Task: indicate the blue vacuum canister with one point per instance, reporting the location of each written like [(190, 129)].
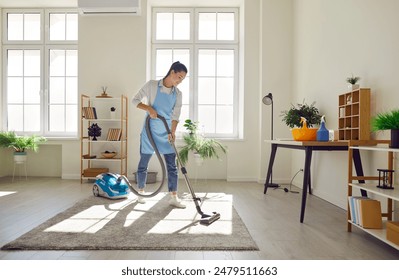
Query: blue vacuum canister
[(108, 185)]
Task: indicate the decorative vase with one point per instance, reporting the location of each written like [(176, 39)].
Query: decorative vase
[(394, 138)]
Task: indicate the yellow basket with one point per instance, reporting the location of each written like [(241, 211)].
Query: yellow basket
[(304, 134)]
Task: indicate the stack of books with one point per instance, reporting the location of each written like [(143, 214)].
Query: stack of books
[(365, 212), (114, 134), (89, 113)]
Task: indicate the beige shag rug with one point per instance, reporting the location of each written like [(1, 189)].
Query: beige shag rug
[(102, 224)]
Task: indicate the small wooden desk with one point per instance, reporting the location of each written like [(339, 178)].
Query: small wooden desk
[(309, 147)]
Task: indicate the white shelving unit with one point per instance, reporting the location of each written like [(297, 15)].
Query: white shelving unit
[(90, 150), (389, 194)]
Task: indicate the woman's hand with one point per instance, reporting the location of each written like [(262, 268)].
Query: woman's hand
[(151, 111), (171, 137)]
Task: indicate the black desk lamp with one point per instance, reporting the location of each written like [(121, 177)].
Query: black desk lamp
[(268, 100)]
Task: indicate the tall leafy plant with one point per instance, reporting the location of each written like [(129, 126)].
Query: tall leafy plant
[(204, 147)]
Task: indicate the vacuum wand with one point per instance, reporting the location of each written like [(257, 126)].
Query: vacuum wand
[(206, 219)]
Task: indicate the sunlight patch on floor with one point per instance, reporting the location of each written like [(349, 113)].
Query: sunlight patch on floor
[(2, 193)]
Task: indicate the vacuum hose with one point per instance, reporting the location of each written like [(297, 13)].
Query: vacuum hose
[(161, 162)]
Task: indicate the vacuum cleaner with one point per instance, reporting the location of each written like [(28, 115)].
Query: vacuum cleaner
[(116, 186)]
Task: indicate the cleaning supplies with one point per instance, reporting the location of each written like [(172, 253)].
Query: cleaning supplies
[(323, 133)]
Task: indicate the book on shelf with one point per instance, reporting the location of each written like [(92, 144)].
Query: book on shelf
[(365, 212), (114, 134), (370, 211), (89, 112), (354, 207)]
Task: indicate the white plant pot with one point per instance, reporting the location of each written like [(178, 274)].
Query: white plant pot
[(353, 87), (20, 157), (198, 159), (112, 115)]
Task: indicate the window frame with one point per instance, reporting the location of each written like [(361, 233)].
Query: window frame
[(44, 45), (194, 44)]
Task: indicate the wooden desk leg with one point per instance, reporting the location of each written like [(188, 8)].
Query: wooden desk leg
[(306, 176), (270, 168), (357, 160)]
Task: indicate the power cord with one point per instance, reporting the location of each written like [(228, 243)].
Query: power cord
[(289, 190)]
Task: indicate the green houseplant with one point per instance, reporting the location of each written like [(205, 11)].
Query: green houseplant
[(388, 121), (9, 139), (292, 117), (352, 81), (301, 118), (199, 145)]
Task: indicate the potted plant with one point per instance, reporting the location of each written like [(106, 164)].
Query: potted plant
[(301, 118), (20, 144), (201, 146), (388, 121), (352, 81)]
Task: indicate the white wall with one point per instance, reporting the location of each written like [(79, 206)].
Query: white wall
[(333, 39), (302, 49)]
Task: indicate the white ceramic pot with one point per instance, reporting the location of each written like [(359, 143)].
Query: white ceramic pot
[(20, 157)]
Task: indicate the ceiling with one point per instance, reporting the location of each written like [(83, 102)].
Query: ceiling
[(38, 3)]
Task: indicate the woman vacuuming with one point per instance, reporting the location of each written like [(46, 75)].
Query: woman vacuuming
[(163, 98)]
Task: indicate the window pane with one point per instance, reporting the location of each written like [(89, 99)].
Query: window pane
[(185, 89), (72, 27), (206, 91), (57, 63), (32, 90), (32, 118), (224, 119), (164, 26), (15, 118), (71, 90), (71, 122), (181, 26), (225, 91), (206, 63), (57, 26), (206, 118), (32, 63), (225, 63), (15, 63), (163, 62), (57, 118), (225, 29), (207, 26), (57, 90), (15, 26), (32, 27), (71, 63), (15, 90)]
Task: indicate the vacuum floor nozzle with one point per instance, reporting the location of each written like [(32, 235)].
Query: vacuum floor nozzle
[(209, 219)]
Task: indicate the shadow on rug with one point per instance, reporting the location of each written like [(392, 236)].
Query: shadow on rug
[(102, 224)]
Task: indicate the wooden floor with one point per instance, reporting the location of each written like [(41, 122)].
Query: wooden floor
[(272, 219)]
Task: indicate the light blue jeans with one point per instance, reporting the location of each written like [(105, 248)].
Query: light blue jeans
[(170, 160)]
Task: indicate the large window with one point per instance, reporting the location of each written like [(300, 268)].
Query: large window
[(40, 57), (206, 41)]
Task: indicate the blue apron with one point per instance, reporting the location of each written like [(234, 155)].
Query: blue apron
[(163, 104)]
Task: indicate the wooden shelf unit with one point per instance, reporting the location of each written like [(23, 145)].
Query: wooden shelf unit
[(354, 115), (89, 148), (370, 186)]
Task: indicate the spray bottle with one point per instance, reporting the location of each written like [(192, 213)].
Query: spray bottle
[(323, 133)]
